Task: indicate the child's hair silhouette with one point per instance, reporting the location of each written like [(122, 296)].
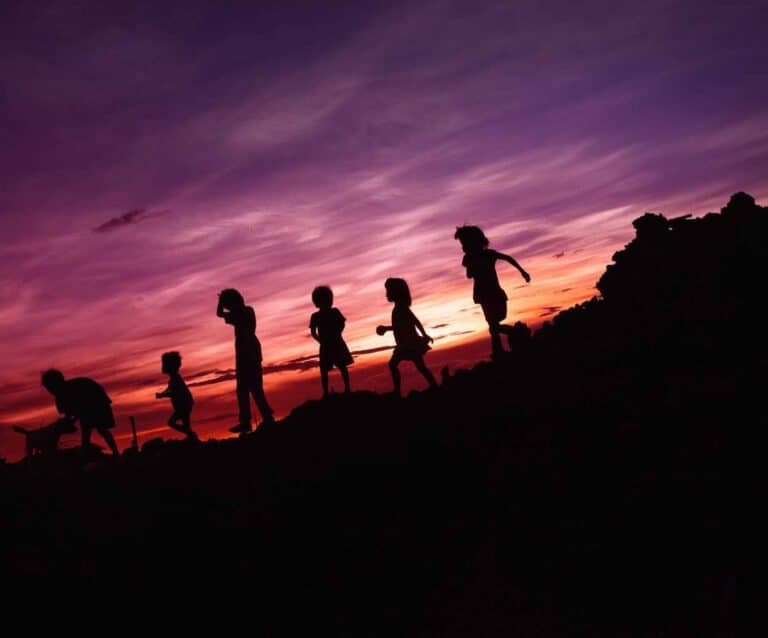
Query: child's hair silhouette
[(231, 298), (248, 359), (471, 238), (179, 394), (171, 362), (322, 297), (398, 291), (326, 326), (480, 263), (410, 346)]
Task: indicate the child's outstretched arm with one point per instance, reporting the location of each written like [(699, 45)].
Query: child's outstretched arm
[(164, 394), (380, 330), (513, 262)]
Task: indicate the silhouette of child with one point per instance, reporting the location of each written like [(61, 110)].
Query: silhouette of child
[(480, 263), (409, 345), (248, 371), (179, 394), (84, 399), (326, 326)]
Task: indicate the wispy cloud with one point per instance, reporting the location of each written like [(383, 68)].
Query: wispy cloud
[(130, 218), (350, 160)]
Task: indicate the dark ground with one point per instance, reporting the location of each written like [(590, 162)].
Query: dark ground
[(583, 487)]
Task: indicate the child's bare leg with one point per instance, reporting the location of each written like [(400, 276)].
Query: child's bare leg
[(345, 377), (186, 423), (509, 331), (261, 402), (173, 423), (422, 367), (494, 329), (324, 381), (506, 329), (110, 440), (395, 374), (85, 438), (243, 400)]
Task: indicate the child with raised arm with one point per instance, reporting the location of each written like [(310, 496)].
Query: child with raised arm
[(480, 263), (326, 326), (409, 345), (179, 394), (248, 370)]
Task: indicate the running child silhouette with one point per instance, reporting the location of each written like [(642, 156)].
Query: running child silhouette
[(179, 394), (326, 326), (409, 345), (480, 262), (248, 371)]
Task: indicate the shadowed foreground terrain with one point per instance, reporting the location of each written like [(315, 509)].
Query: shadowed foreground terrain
[(584, 486)]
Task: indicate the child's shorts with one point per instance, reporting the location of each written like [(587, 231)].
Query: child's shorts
[(495, 310)]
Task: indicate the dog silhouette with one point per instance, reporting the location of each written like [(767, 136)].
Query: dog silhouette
[(45, 440)]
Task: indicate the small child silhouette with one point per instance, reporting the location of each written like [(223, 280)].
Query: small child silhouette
[(480, 263), (409, 346), (248, 370), (326, 326), (179, 394), (85, 400)]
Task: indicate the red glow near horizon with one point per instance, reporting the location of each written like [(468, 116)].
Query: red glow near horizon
[(150, 160)]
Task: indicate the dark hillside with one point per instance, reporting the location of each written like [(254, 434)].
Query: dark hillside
[(584, 486)]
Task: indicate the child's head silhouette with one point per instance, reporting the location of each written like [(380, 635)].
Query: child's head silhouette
[(397, 291), (322, 297), (231, 299), (472, 238), (52, 380), (171, 362)]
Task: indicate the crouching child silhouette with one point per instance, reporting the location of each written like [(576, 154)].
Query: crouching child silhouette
[(326, 326), (409, 345), (480, 263), (248, 369), (179, 394), (85, 400)]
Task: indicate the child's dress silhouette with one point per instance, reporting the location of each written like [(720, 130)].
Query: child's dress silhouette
[(487, 291), (409, 343), (329, 323)]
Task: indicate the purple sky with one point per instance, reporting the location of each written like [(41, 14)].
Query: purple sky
[(151, 157)]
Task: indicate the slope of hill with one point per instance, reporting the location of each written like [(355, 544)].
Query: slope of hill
[(581, 487)]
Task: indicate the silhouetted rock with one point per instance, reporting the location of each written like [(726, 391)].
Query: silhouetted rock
[(153, 446)]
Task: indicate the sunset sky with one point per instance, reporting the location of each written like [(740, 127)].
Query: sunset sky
[(152, 156)]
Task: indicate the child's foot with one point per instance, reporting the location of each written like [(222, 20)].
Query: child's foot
[(241, 428)]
